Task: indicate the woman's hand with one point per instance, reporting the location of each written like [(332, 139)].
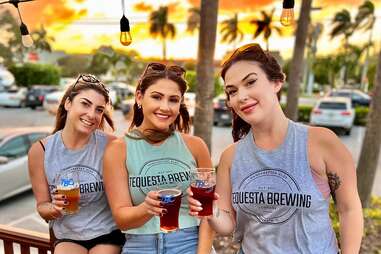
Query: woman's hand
[(194, 205), (153, 204)]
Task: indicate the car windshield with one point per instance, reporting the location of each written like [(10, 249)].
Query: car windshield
[(340, 94), (333, 105)]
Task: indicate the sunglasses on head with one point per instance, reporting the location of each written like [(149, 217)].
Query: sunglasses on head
[(89, 78), (159, 68), (245, 48)]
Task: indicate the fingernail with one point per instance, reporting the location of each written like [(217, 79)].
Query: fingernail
[(164, 212), (63, 196), (63, 208), (65, 203), (56, 191), (198, 203)]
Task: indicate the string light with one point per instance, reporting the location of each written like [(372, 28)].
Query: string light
[(125, 36), (287, 16)]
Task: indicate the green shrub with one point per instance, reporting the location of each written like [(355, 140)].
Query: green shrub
[(191, 78), (361, 115), (34, 74), (304, 113)]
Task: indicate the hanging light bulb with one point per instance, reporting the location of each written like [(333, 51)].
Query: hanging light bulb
[(25, 36), (125, 36), (287, 16)]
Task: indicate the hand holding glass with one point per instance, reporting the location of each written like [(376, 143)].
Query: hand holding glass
[(67, 184), (171, 200), (203, 184)]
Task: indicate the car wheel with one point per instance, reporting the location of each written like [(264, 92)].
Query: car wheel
[(33, 107), (347, 132)]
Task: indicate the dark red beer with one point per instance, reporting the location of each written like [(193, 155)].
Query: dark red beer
[(205, 195), (171, 200)]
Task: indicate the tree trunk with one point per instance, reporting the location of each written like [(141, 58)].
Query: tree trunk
[(370, 150), (296, 67), (203, 118), (164, 49)]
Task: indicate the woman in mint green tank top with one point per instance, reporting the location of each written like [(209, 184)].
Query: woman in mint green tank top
[(156, 153), (76, 147), (274, 182)]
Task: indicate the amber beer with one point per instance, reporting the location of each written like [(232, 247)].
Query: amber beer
[(72, 197), (203, 185), (68, 185), (171, 200)]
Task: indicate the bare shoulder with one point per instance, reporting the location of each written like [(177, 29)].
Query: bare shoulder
[(192, 140), (227, 157), (36, 150), (323, 137)]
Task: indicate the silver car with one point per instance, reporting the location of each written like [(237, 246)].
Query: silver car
[(14, 147)]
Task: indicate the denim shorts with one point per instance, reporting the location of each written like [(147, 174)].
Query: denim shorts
[(184, 241)]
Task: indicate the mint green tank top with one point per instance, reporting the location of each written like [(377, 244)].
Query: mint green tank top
[(159, 166)]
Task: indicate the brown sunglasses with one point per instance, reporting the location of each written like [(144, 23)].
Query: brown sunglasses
[(90, 78), (244, 48), (159, 68)]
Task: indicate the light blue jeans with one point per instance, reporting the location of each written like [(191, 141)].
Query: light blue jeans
[(183, 241)]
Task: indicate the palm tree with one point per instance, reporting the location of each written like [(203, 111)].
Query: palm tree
[(296, 69), (343, 26), (159, 27), (41, 39), (365, 20), (231, 33), (193, 21), (370, 150), (265, 26), (203, 118)]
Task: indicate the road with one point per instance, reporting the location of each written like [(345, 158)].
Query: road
[(20, 212)]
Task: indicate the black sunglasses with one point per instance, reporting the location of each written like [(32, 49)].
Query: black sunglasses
[(90, 78), (159, 68)]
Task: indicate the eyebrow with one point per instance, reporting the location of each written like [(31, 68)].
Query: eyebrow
[(88, 101), (246, 77), (153, 92)]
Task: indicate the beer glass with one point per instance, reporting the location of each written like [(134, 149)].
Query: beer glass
[(171, 200), (67, 184), (203, 184)]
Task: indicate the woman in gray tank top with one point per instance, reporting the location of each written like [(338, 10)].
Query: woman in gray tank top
[(156, 154), (76, 147), (273, 181)]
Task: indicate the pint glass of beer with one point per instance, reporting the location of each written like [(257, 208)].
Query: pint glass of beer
[(68, 185), (203, 184), (171, 200)]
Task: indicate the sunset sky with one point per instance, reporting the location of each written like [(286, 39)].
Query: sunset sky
[(79, 26)]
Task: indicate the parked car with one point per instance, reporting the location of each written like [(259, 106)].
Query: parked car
[(14, 97), (36, 94), (334, 112), (222, 114), (52, 101), (14, 147), (357, 97), (190, 102), (6, 79)]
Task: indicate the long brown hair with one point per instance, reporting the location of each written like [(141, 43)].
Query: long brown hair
[(268, 63), (152, 73), (83, 82)]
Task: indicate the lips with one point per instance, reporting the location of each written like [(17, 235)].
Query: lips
[(86, 122), (247, 108), (162, 116)]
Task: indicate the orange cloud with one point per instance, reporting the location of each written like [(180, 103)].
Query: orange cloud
[(242, 5), (142, 7), (50, 12)]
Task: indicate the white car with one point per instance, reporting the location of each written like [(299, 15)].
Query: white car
[(52, 101), (333, 112), (190, 102), (14, 147), (14, 97)]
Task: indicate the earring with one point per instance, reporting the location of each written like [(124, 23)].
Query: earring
[(139, 106)]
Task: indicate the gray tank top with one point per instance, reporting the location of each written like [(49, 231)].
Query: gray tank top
[(94, 217), (278, 207)]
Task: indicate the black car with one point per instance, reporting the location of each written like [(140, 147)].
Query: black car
[(357, 97), (222, 114), (36, 94)]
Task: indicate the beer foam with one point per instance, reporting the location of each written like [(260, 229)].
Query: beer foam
[(60, 187), (169, 192)]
